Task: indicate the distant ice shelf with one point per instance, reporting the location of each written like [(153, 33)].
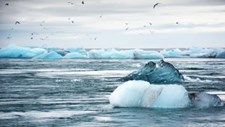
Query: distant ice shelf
[(14, 51)]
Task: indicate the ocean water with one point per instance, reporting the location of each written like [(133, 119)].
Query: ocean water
[(75, 92)]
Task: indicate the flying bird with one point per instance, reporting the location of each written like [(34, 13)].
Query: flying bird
[(155, 5), (6, 4), (17, 22), (70, 3), (150, 23), (72, 21), (82, 2), (176, 22)]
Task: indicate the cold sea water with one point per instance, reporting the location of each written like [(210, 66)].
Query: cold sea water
[(71, 92)]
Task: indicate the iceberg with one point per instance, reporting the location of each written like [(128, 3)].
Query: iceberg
[(75, 55), (139, 93), (78, 50), (110, 54), (49, 56), (13, 51), (141, 54), (124, 54), (220, 53), (204, 100), (197, 52), (161, 72), (172, 53), (142, 94)]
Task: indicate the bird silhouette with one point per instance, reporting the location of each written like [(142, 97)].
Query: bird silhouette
[(176, 22), (17, 22), (82, 2), (70, 3), (155, 5), (6, 4)]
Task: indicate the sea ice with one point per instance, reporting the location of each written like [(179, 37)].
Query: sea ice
[(49, 56), (110, 54), (171, 53), (161, 72), (204, 100), (13, 51), (75, 55), (141, 54)]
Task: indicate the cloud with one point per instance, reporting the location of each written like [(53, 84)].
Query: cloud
[(105, 19)]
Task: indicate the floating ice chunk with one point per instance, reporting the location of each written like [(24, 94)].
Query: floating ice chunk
[(50, 55), (204, 100), (142, 94), (172, 53), (162, 72), (13, 51)]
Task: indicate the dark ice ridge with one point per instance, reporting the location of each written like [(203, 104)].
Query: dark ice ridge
[(162, 72)]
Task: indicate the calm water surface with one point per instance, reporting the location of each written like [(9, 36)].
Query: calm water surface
[(75, 93)]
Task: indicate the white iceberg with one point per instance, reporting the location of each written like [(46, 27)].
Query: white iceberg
[(124, 54), (142, 94), (110, 54), (75, 55), (172, 53), (141, 54)]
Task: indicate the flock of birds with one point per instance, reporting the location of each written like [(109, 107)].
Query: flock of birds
[(71, 3)]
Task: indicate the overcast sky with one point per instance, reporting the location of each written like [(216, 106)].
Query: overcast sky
[(113, 23)]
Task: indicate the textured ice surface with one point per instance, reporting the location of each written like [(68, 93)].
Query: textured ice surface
[(142, 94), (13, 51), (110, 54), (204, 100), (49, 56), (141, 54), (161, 72), (75, 55), (171, 53)]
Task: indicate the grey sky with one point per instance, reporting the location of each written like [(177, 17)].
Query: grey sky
[(113, 24)]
